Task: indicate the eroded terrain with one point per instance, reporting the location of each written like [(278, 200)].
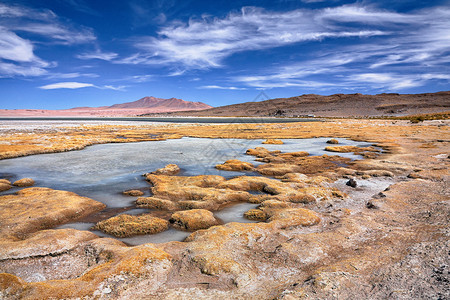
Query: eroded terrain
[(384, 235)]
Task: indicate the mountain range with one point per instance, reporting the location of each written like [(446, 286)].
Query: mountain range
[(337, 105), (144, 105)]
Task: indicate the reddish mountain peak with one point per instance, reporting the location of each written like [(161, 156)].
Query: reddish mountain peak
[(172, 103)]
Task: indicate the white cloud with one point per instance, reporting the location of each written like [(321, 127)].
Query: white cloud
[(12, 70), (206, 42), (17, 54), (13, 47), (70, 75), (121, 88), (66, 85), (44, 23), (409, 57), (221, 87), (108, 56), (57, 33), (79, 85), (137, 78), (391, 81), (176, 73)]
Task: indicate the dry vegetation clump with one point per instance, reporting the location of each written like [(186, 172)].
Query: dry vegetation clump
[(170, 169), (347, 149), (128, 225), (273, 142), (5, 185), (133, 193), (24, 182), (192, 220), (332, 141), (235, 165), (191, 192)]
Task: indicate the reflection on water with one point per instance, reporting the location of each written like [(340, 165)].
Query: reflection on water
[(103, 172), (235, 213)]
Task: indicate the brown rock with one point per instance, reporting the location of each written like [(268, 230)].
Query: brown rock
[(127, 225), (291, 155), (24, 182), (5, 181), (261, 152), (236, 165), (156, 203), (256, 215), (274, 204), (284, 218), (34, 209), (333, 141), (133, 193), (352, 182), (377, 173), (4, 186), (171, 169), (273, 142), (298, 163), (277, 169), (346, 149), (301, 198), (48, 255), (192, 220), (281, 191)]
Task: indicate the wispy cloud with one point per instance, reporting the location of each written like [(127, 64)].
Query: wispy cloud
[(79, 85), (137, 78), (17, 57), (121, 88), (66, 85), (12, 70), (218, 87), (207, 42), (44, 23), (81, 6), (108, 56), (70, 75), (17, 54), (418, 43)]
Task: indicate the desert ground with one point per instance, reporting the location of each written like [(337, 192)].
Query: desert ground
[(317, 237)]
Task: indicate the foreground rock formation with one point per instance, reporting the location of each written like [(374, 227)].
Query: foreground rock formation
[(314, 241), (126, 225)]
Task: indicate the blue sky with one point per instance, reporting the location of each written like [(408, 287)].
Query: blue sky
[(60, 54)]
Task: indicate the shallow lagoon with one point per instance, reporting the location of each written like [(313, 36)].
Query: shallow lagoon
[(103, 172)]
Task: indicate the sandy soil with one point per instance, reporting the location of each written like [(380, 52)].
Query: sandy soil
[(387, 238)]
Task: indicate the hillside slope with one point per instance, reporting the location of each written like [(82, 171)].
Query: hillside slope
[(338, 105)]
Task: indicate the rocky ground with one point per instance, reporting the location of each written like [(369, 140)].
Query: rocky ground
[(384, 235)]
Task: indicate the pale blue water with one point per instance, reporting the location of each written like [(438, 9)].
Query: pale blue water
[(103, 172)]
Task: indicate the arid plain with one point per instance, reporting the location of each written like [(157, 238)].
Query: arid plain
[(316, 239)]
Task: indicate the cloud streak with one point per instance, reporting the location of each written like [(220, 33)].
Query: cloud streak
[(418, 43), (79, 85), (218, 87), (66, 85), (207, 42), (108, 56), (17, 54)]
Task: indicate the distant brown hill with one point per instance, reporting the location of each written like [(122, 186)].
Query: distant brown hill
[(144, 105), (338, 105), (172, 103)]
